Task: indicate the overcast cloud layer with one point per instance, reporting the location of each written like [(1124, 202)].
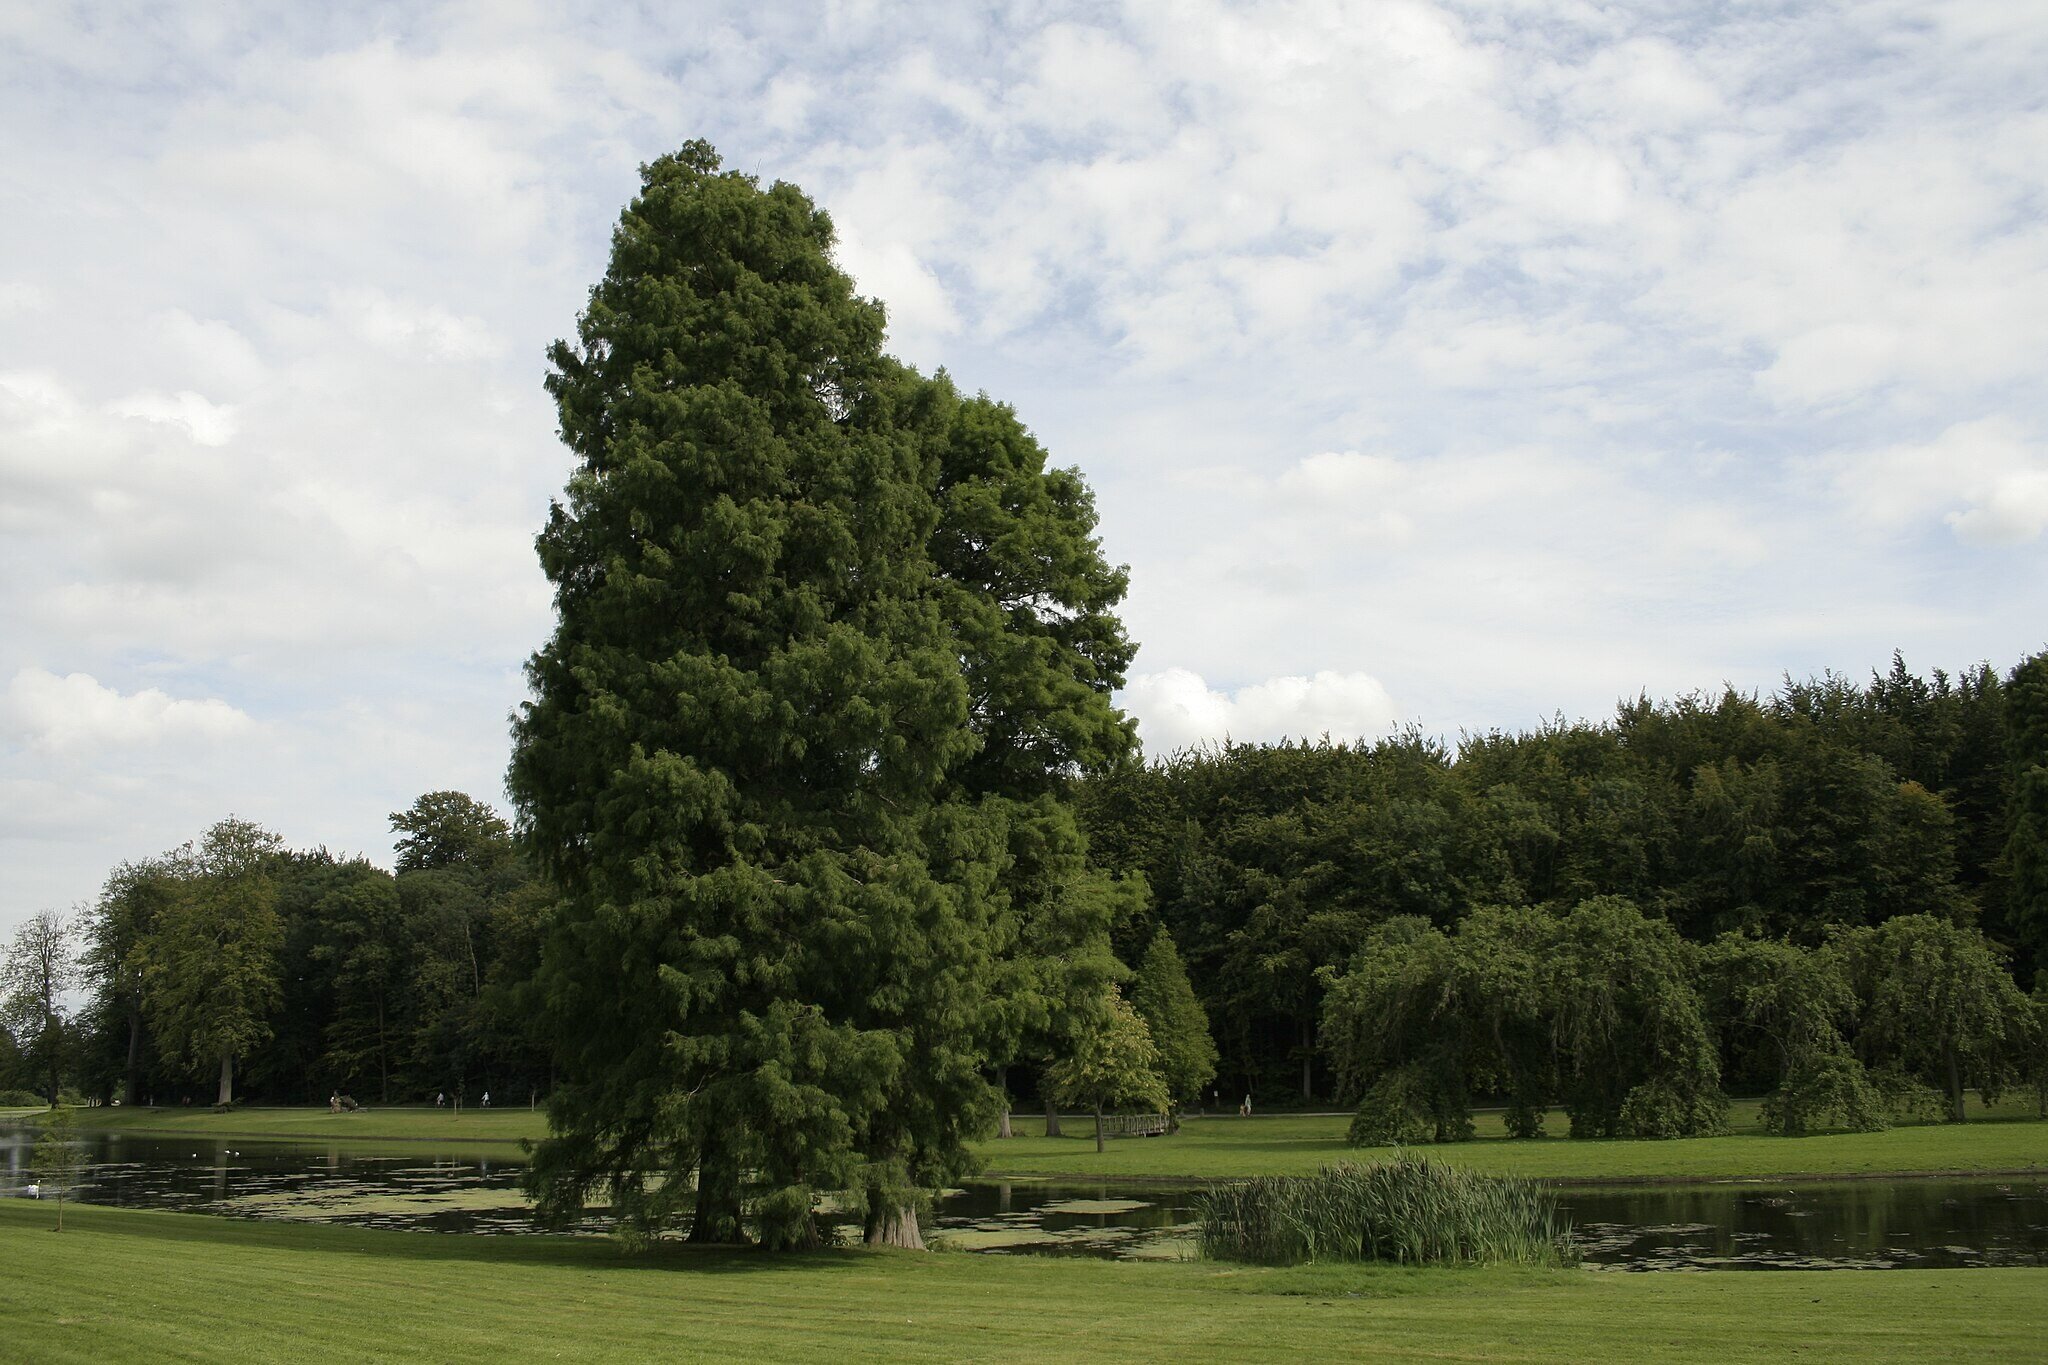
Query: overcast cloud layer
[(1454, 364)]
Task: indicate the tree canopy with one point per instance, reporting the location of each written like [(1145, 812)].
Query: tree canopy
[(827, 636), (209, 964)]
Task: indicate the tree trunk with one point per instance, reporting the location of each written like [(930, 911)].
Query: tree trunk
[(1098, 1127), (383, 1069), (1955, 1087), (131, 1078), (1003, 1089), (717, 1217), (1052, 1118), (892, 1225), (227, 1079)]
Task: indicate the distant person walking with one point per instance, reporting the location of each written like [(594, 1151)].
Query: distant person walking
[(1244, 1111), (440, 1098), (487, 1099)]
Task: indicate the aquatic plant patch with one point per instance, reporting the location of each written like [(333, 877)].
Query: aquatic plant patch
[(1410, 1210)]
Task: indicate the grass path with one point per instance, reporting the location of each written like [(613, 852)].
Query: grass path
[(120, 1285)]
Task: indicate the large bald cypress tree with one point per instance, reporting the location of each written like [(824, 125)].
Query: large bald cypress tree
[(775, 740)]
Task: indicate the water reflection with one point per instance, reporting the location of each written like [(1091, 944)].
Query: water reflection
[(1877, 1224), (1747, 1225)]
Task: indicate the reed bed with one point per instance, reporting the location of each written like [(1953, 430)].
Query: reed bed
[(1409, 1210)]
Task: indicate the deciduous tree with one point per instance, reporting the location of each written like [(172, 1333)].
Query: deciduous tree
[(1113, 1064), (40, 968), (1938, 1005), (209, 964)]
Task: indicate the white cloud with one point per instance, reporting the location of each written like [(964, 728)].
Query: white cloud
[(1986, 479), (76, 712), (1176, 709), (207, 424), (1480, 350), (414, 330)]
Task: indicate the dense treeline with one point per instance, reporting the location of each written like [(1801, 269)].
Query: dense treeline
[(234, 967), (1830, 897), (1793, 819)]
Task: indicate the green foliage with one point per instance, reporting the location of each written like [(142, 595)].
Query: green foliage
[(209, 964), (1404, 1107), (1640, 1058), (1937, 1006), (130, 905), (1600, 1003), (1797, 1005), (1410, 1210), (448, 829), (1827, 804), (357, 939), (35, 977), (1397, 1026), (829, 640), (1178, 1025), (58, 1159), (2026, 848), (1114, 1064)]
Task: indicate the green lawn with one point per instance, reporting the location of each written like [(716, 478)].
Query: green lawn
[(2007, 1139), (120, 1285), (504, 1127)]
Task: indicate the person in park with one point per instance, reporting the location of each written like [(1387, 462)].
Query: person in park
[(830, 641)]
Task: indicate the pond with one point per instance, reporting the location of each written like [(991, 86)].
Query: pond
[(1731, 1225)]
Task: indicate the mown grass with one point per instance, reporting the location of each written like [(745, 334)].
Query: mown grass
[(503, 1128), (121, 1285), (2007, 1138)]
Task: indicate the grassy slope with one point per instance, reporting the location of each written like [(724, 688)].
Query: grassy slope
[(121, 1285), (1229, 1146)]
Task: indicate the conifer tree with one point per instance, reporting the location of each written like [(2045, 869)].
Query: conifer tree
[(1179, 1026), (743, 759), (2026, 849)]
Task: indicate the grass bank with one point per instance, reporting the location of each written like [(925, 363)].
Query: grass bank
[(499, 1127), (2004, 1139), (119, 1285)]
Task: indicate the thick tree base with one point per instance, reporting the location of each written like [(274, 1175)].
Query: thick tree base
[(895, 1228)]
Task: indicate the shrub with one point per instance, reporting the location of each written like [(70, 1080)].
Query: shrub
[(1827, 1086), (1402, 1107), (1666, 1108), (1409, 1210), (21, 1099)]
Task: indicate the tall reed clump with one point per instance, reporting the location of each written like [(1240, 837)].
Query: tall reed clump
[(1409, 1210)]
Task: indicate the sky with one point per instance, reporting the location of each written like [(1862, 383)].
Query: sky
[(1449, 364)]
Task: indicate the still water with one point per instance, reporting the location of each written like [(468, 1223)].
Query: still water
[(1735, 1225)]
